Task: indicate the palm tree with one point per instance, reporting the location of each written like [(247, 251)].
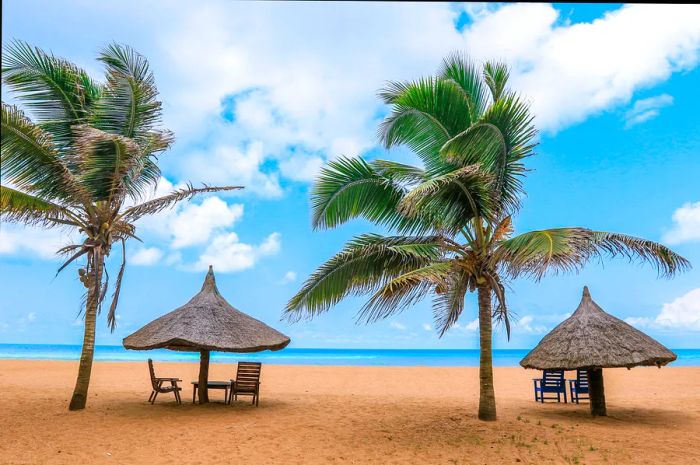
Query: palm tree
[(452, 216), (84, 163)]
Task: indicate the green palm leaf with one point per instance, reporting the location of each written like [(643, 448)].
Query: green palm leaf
[(425, 114), (362, 266), (451, 199), (24, 208), (405, 290), (537, 253), (350, 188), (461, 70), (58, 93), (499, 142), (129, 105), (30, 160), (496, 77)]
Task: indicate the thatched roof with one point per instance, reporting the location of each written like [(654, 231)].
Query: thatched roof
[(207, 322), (591, 338)]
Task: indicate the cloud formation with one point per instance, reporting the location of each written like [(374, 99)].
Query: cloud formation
[(686, 224), (146, 256), (227, 254), (682, 313), (263, 112), (646, 109)]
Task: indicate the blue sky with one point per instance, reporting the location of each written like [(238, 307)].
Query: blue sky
[(262, 94)]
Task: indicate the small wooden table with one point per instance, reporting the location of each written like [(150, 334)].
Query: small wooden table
[(225, 385)]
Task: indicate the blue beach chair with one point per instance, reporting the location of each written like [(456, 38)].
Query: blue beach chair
[(552, 382), (579, 386)]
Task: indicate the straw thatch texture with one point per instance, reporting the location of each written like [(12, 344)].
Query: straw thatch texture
[(207, 322), (591, 338)]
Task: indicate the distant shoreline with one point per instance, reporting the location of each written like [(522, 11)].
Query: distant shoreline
[(297, 356)]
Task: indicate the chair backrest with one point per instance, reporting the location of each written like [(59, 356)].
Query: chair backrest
[(248, 374), (553, 377), (153, 374), (582, 378)]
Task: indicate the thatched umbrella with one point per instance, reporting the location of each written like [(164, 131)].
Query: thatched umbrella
[(207, 322), (591, 339)]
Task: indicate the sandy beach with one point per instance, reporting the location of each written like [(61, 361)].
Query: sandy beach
[(315, 414)]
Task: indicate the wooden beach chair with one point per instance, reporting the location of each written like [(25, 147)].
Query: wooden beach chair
[(579, 386), (552, 382), (157, 384), (247, 382)]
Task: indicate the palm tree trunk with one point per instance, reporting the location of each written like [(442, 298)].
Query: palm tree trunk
[(487, 398), (82, 384)]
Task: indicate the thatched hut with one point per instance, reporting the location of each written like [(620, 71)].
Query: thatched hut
[(592, 339), (207, 322)]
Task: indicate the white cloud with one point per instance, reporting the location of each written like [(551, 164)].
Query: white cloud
[(469, 327), (397, 325), (271, 245), (315, 98), (682, 313), (194, 224), (265, 103), (31, 316), (146, 256), (41, 243), (572, 71), (227, 254), (289, 277), (226, 164), (646, 109), (528, 325), (686, 225), (427, 327)]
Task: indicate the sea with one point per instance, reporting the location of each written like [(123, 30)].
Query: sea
[(297, 356)]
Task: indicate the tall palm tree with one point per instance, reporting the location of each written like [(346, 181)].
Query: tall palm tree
[(452, 216), (84, 163)]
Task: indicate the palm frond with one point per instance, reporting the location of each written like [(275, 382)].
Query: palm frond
[(58, 93), (104, 160), (499, 141), (349, 188), (399, 172), (112, 314), (364, 265), (28, 209), (537, 253), (425, 114), (448, 302), (461, 70), (496, 77), (30, 161), (129, 105), (404, 290), (452, 199), (161, 203)]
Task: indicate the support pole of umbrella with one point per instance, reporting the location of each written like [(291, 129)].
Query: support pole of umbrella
[(203, 388), (597, 392)]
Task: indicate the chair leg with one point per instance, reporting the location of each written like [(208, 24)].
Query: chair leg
[(150, 396), (155, 394), (194, 392), (177, 396)]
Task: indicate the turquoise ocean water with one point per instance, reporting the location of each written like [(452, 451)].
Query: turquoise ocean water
[(376, 357)]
